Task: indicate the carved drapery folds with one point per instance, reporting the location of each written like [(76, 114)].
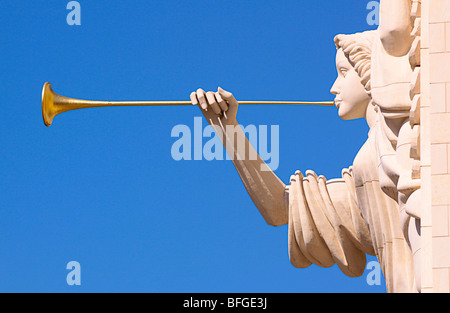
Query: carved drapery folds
[(325, 224)]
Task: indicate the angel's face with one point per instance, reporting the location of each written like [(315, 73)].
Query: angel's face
[(351, 97)]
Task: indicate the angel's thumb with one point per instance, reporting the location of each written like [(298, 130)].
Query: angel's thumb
[(225, 94)]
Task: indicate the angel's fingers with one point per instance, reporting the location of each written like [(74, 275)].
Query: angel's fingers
[(212, 102), (222, 103), (194, 99), (202, 99), (293, 179)]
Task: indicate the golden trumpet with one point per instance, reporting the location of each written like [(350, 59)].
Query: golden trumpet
[(54, 104)]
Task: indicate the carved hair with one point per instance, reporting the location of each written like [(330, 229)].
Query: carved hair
[(358, 49)]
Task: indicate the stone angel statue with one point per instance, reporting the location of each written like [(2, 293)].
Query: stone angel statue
[(366, 211)]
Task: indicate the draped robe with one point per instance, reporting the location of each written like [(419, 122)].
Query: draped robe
[(341, 220)]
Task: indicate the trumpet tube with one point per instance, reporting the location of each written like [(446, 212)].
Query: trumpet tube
[(54, 104)]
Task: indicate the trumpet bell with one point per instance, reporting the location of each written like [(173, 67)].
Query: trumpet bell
[(54, 104), (48, 108)]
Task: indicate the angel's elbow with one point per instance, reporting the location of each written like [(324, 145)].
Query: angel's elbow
[(276, 219)]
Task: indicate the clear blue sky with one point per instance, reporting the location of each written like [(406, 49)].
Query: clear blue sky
[(100, 186)]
